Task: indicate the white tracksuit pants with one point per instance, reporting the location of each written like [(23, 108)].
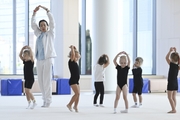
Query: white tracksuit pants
[(44, 73)]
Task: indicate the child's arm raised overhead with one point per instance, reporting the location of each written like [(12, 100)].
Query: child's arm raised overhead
[(168, 54), (21, 53), (105, 65), (31, 53), (179, 59), (72, 57), (128, 59), (115, 59)]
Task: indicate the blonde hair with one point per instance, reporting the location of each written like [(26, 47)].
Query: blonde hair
[(70, 53), (123, 57), (26, 51), (140, 60)]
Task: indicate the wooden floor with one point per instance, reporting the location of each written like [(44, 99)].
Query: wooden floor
[(155, 107)]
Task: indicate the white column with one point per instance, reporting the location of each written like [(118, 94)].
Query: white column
[(66, 17), (105, 36), (167, 32)]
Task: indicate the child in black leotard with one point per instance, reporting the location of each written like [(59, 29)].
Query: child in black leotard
[(122, 73), (26, 56), (74, 79), (172, 59), (138, 81)]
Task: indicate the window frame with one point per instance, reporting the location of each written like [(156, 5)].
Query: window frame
[(135, 32)]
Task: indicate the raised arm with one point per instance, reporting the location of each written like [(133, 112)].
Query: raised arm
[(51, 19), (31, 53), (34, 26), (21, 53), (51, 24), (179, 58), (178, 55), (128, 59), (105, 65), (115, 59), (134, 66), (45, 8), (72, 55), (168, 54)]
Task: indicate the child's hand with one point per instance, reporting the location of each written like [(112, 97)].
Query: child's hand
[(28, 47), (24, 47), (174, 49), (121, 52), (74, 47), (171, 49), (134, 65), (71, 46), (104, 55), (125, 53)]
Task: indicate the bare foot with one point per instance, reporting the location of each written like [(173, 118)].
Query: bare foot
[(69, 107), (172, 111), (75, 108)]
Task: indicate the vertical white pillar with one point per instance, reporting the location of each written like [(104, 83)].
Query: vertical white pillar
[(67, 31), (105, 36), (57, 5)]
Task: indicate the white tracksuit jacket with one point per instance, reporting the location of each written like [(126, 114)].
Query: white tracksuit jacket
[(44, 67)]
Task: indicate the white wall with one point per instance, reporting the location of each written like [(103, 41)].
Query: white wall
[(104, 37), (66, 17), (168, 31)]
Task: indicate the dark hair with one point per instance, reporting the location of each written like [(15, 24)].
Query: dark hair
[(43, 21), (175, 56), (102, 60)]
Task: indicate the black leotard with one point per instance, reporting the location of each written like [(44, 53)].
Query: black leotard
[(74, 70), (172, 77), (28, 73), (122, 75)]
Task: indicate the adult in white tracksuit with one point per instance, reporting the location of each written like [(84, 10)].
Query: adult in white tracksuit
[(44, 53)]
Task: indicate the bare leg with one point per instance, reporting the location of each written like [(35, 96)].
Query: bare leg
[(27, 94), (140, 98), (171, 101), (31, 96), (124, 90), (75, 88), (77, 100), (174, 97), (134, 97), (28, 97), (118, 92)]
